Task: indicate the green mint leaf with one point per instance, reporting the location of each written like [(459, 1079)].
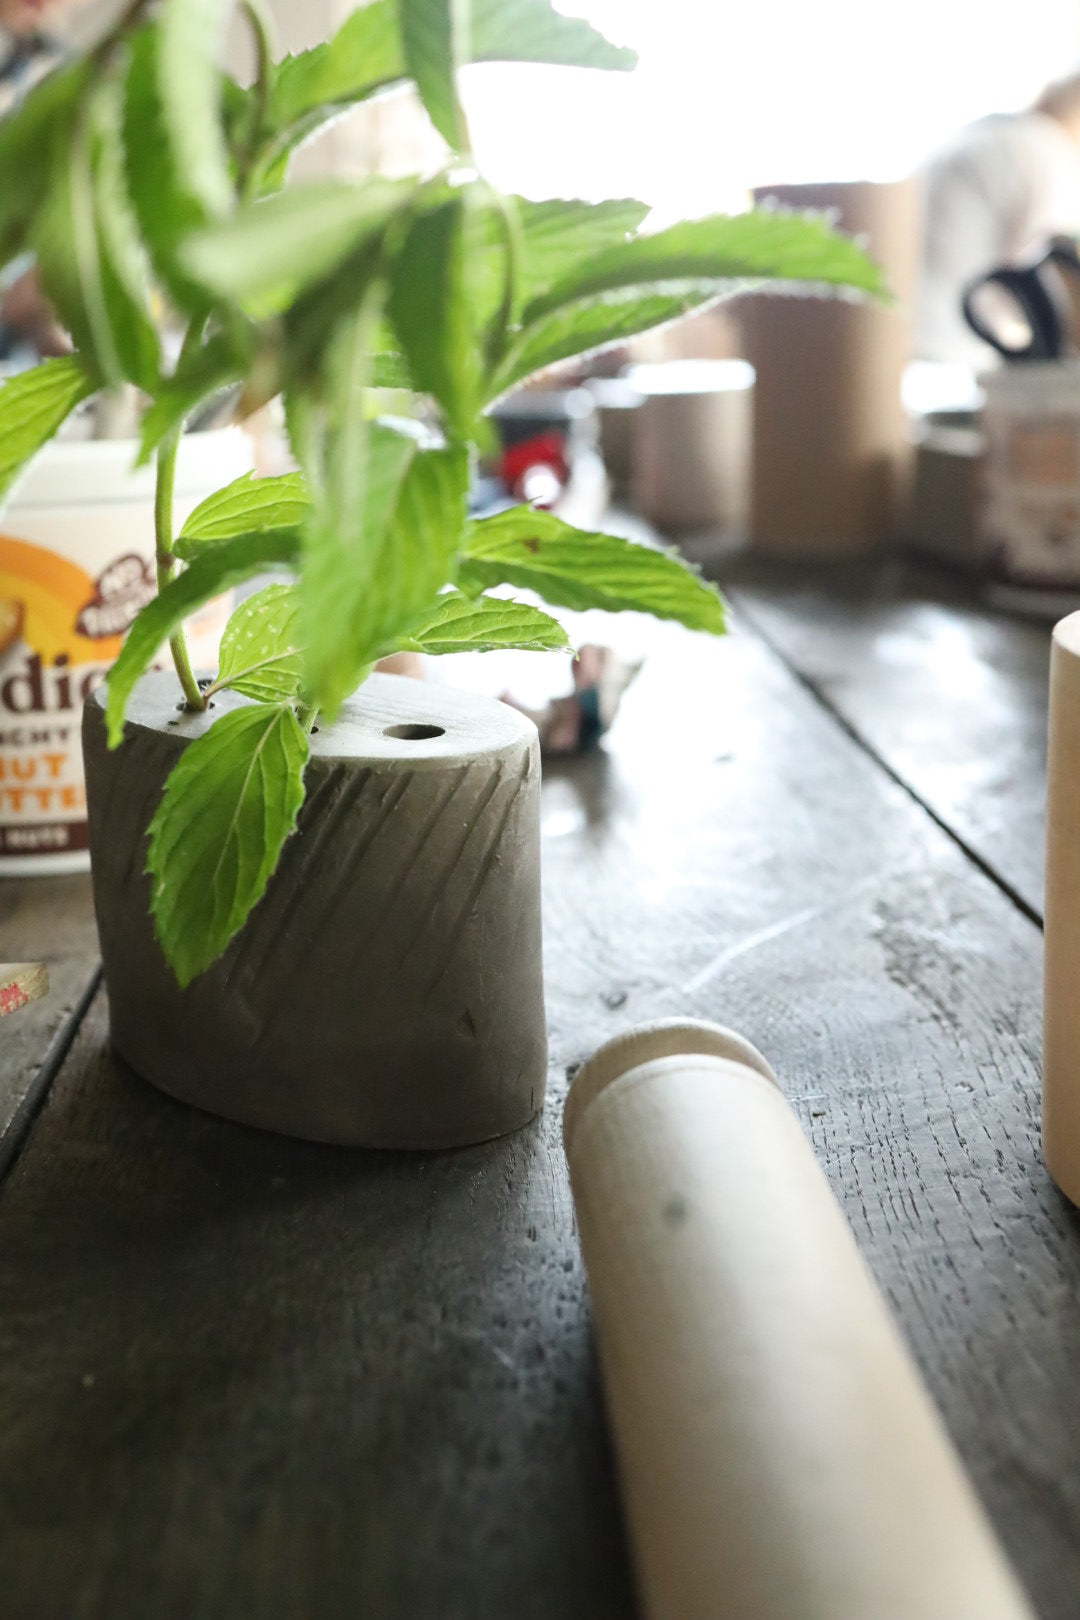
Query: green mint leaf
[(345, 541), (432, 311), (220, 362), (536, 551), (486, 624), (27, 139), (434, 34), (598, 322), (32, 406), (563, 232), (389, 370), (306, 429), (247, 504), (270, 251), (92, 262), (165, 205), (415, 559), (363, 56), (356, 455), (320, 325), (261, 653), (515, 249), (228, 806), (214, 571), (366, 56), (125, 268), (760, 245), (189, 82), (66, 239), (533, 31)]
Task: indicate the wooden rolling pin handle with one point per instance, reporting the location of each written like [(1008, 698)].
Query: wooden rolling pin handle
[(1061, 992), (779, 1456)]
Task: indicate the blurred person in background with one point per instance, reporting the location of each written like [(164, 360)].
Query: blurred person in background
[(994, 196), (29, 48)]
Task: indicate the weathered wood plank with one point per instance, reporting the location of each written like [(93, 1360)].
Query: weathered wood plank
[(951, 695), (247, 1378), (51, 920)]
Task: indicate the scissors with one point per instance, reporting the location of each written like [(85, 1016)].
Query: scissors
[(1029, 312)]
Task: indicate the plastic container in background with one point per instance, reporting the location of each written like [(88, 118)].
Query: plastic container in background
[(692, 444), (1030, 509), (76, 565)]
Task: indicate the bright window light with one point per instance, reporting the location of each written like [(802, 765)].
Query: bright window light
[(729, 96)]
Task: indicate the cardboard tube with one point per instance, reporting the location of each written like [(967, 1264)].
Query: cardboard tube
[(779, 1457), (831, 455), (692, 442), (1061, 992)]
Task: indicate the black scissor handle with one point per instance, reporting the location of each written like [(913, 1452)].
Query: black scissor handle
[(1064, 253), (1030, 297)]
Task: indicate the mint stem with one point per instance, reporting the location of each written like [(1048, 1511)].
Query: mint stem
[(163, 533)]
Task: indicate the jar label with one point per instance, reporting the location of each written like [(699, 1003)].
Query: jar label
[(56, 643), (60, 629)]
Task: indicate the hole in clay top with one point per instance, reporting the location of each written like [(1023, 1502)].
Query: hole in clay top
[(390, 717), (414, 733)]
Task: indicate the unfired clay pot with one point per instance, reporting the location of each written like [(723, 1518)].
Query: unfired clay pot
[(387, 989)]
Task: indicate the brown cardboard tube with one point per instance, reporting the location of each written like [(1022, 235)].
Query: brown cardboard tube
[(780, 1458), (830, 437), (1061, 940), (692, 442)]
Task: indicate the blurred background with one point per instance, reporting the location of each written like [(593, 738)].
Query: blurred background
[(728, 97), (944, 133), (921, 128)]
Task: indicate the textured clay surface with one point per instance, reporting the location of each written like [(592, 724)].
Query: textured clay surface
[(387, 991)]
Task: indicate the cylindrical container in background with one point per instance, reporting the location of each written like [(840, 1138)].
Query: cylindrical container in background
[(1061, 992), (1029, 505), (780, 1458), (76, 565), (618, 403), (692, 443), (830, 440)]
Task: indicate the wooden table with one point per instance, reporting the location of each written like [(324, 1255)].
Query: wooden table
[(243, 1378)]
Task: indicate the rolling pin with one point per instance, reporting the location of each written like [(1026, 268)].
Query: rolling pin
[(779, 1456), (1061, 936)]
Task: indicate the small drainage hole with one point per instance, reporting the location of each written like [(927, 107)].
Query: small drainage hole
[(414, 733)]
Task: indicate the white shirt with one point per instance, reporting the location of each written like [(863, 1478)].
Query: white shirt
[(992, 198)]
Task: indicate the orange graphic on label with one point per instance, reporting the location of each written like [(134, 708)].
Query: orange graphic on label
[(11, 623), (52, 592), (60, 629)]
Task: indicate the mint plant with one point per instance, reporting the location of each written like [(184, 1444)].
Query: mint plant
[(150, 185)]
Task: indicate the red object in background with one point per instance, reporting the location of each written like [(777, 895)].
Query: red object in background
[(545, 451)]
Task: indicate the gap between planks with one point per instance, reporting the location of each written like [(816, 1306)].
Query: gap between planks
[(751, 622)]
